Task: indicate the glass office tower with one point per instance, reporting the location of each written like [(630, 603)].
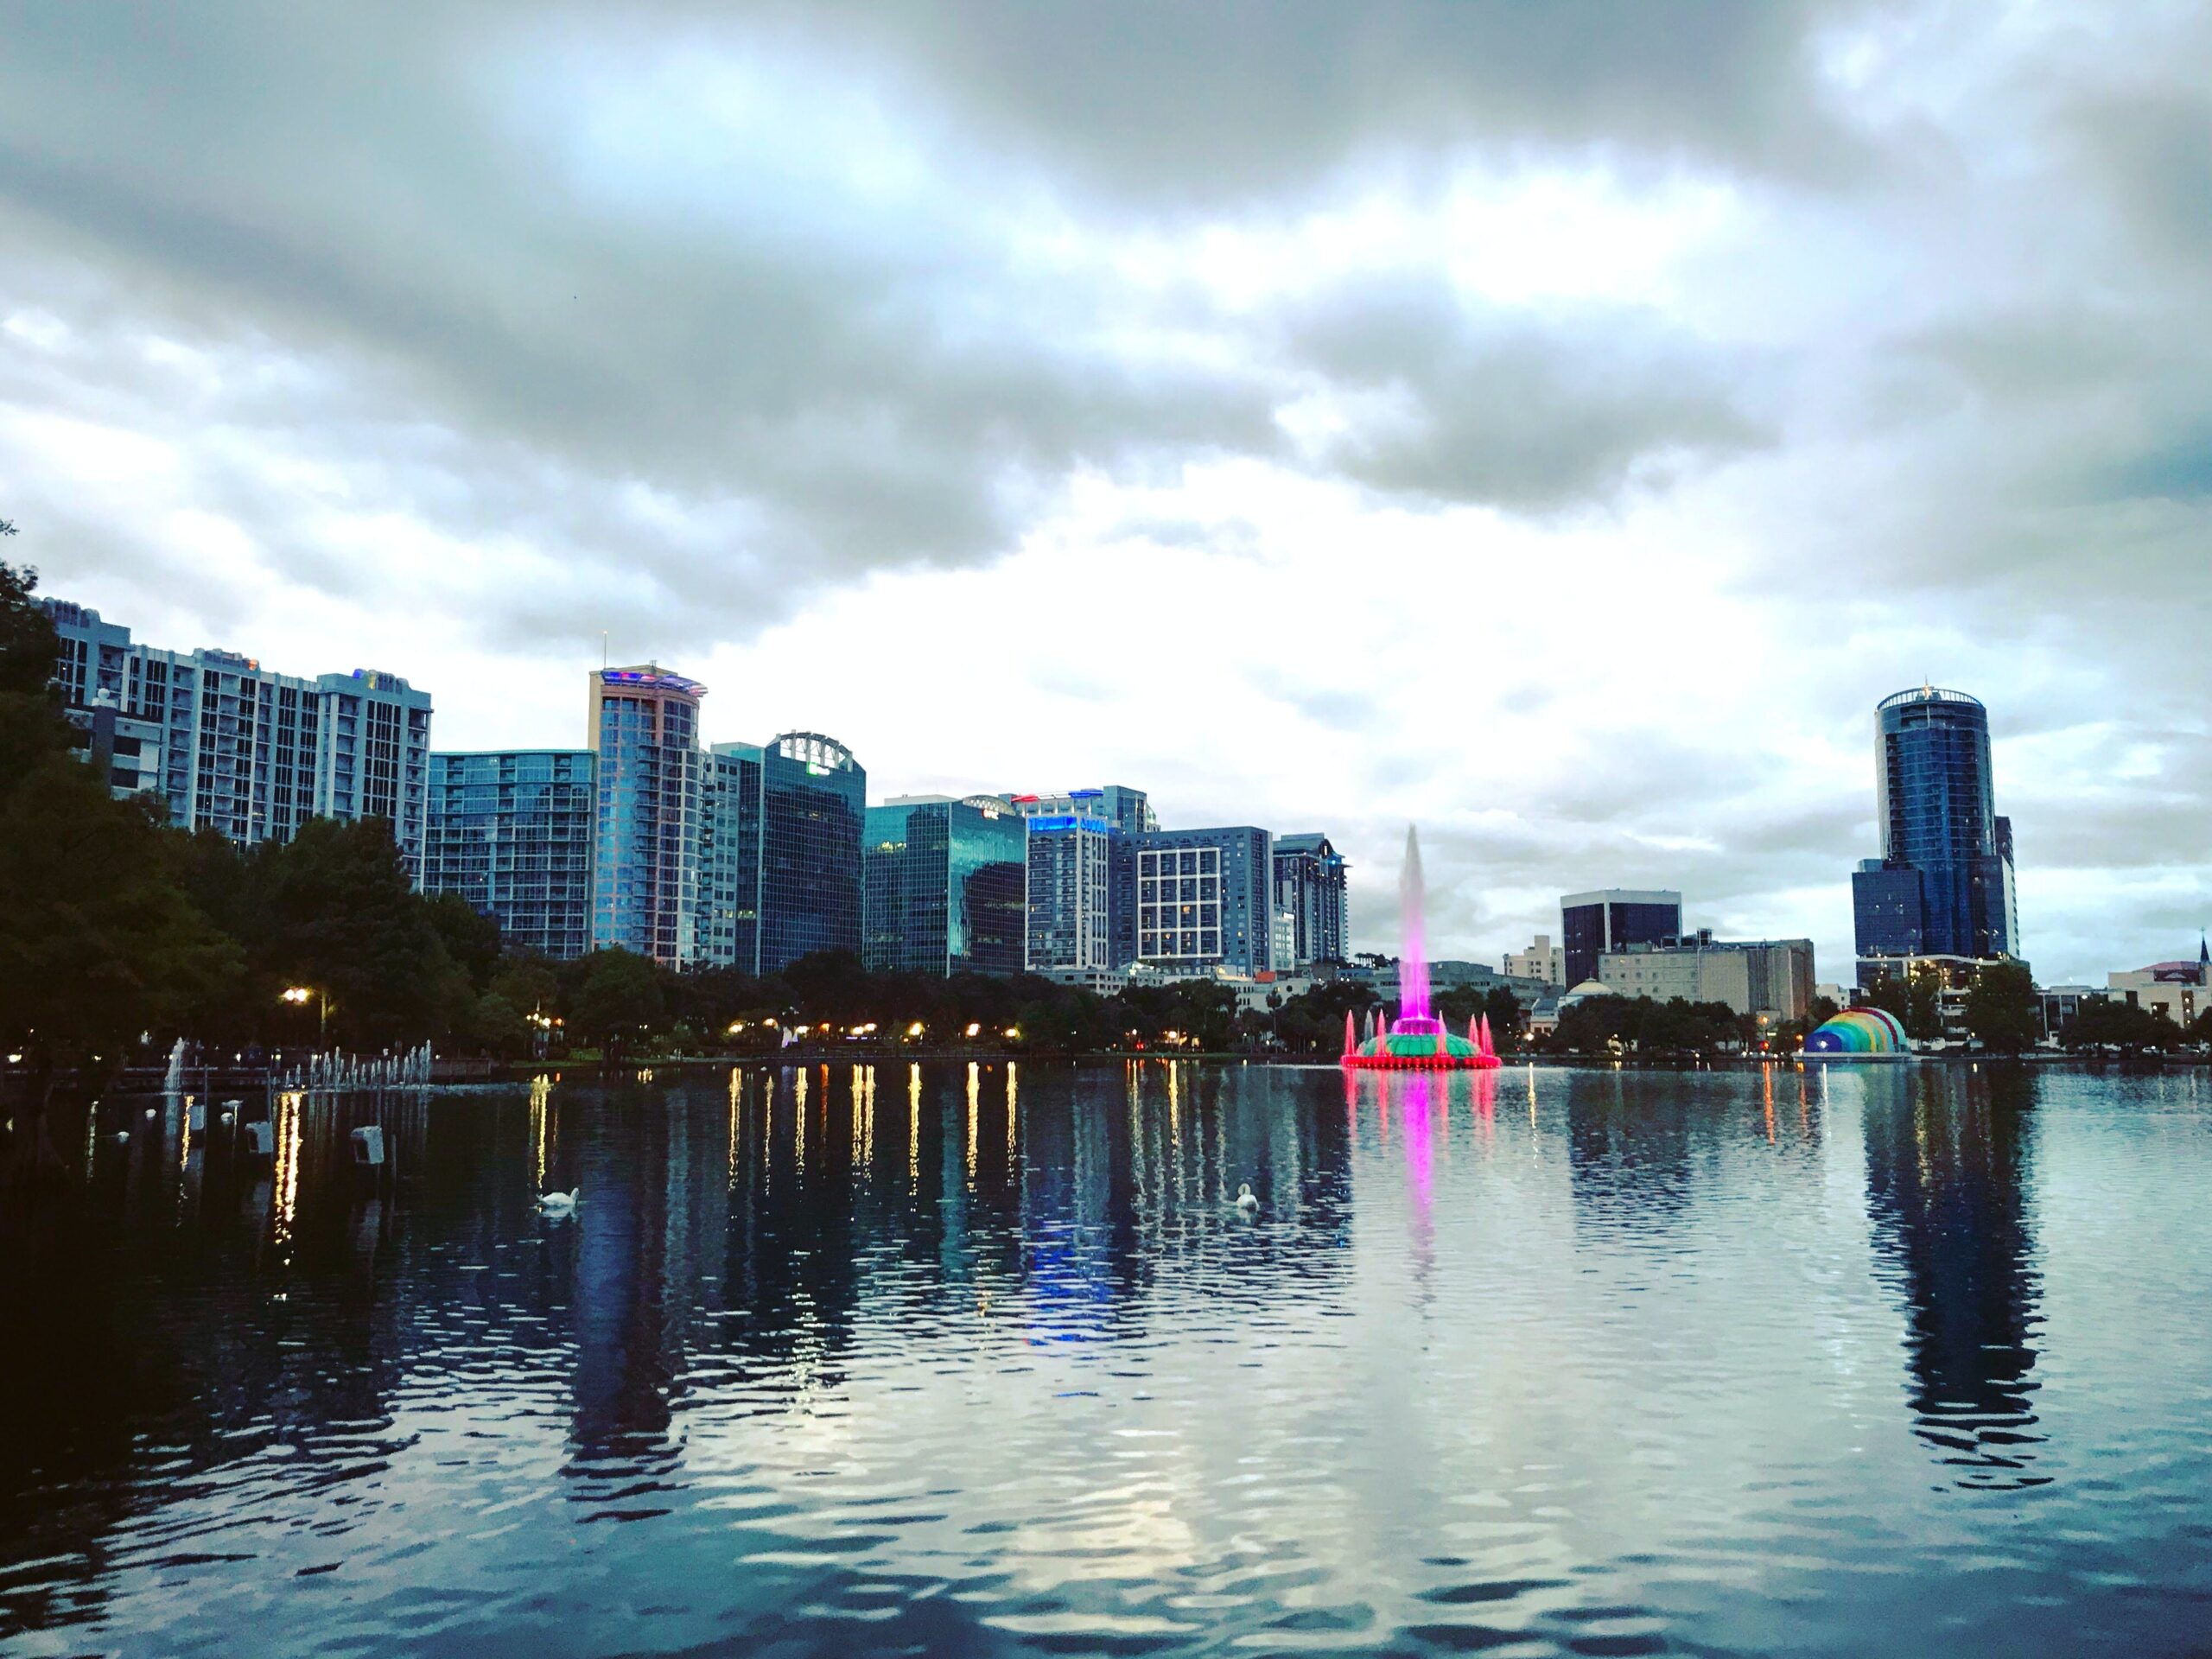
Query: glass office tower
[(1614, 918), (1943, 886), (1204, 898), (644, 735), (1310, 887), (943, 886), (813, 796), (730, 859), (511, 832)]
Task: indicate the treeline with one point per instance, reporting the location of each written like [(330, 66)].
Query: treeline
[(1621, 1025)]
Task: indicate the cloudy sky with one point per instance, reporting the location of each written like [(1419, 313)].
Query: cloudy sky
[(1556, 425)]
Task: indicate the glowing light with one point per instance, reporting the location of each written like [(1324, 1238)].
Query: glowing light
[(298, 993), (914, 1030), (974, 1029)]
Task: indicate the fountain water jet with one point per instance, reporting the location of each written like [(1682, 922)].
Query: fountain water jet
[(1417, 1041)]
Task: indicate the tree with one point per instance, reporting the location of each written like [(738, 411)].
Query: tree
[(471, 940), (2108, 1022), (2001, 1012), (619, 995)]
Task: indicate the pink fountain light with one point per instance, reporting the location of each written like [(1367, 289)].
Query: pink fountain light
[(1418, 1042)]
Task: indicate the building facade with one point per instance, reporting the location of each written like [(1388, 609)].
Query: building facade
[(1202, 899), (813, 798), (1761, 976), (1309, 876), (1614, 918), (1129, 810), (240, 749), (2180, 991), (510, 832), (1081, 909), (1542, 961), (730, 859), (1943, 886), (943, 885), (647, 831)]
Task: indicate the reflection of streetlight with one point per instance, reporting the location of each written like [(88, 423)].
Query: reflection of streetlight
[(298, 995)]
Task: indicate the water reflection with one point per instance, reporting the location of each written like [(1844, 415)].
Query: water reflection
[(1006, 1369), (1947, 1171)]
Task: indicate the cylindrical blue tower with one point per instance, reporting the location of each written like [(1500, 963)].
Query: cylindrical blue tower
[(1938, 816)]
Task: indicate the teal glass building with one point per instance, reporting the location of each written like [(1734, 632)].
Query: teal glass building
[(813, 800), (645, 733), (730, 859), (510, 832), (944, 886)]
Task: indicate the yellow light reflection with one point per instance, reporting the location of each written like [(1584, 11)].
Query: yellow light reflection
[(914, 1128), (975, 1103), (287, 1181), (1011, 1099)]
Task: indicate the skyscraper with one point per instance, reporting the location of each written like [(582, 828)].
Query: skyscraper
[(730, 859), (511, 833), (943, 886), (241, 749), (1080, 898), (1129, 810), (648, 833), (813, 794), (1614, 918), (1943, 886), (1309, 876), (1204, 899)]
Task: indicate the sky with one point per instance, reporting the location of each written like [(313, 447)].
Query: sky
[(1555, 426)]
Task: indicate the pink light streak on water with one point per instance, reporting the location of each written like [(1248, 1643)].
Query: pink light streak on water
[(1413, 954)]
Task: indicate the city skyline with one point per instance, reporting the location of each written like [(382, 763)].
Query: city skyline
[(1714, 382)]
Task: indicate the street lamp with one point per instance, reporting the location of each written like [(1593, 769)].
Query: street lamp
[(298, 995)]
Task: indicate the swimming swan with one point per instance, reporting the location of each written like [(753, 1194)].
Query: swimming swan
[(559, 1204), (1245, 1201)]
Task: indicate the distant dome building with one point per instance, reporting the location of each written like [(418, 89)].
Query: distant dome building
[(1583, 992), (1858, 1034)]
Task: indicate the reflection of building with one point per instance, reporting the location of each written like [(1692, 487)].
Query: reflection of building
[(240, 749), (1771, 976), (1203, 898), (1943, 884), (1309, 876), (645, 733), (511, 833), (2180, 991), (1612, 920), (812, 796), (1946, 1178), (943, 885)]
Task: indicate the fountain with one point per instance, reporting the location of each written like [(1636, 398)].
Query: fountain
[(1416, 1040), (174, 1083)]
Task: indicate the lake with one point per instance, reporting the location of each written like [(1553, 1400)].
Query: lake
[(984, 1360)]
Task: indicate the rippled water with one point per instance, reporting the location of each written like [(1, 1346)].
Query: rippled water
[(973, 1361)]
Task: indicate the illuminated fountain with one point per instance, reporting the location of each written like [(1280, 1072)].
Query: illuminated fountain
[(1416, 1040)]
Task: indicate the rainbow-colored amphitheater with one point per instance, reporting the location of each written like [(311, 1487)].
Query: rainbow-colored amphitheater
[(1858, 1034)]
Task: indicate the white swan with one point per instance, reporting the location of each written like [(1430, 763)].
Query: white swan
[(1245, 1201), (559, 1204)]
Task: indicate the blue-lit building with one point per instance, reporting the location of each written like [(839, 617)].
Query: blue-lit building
[(1204, 899), (648, 828), (730, 859), (1943, 886), (1082, 922), (510, 832), (1614, 918), (943, 885), (1309, 876), (1129, 810), (813, 800)]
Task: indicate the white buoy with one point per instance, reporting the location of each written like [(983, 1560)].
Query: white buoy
[(368, 1147), (260, 1139)]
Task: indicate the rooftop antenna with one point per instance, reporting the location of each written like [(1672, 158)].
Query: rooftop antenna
[(602, 647)]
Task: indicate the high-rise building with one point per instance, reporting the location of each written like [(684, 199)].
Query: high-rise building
[(1203, 899), (943, 885), (1080, 901), (1129, 810), (648, 831), (1309, 876), (1943, 886), (511, 833), (240, 749), (1542, 961), (1614, 918), (730, 859), (813, 795)]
